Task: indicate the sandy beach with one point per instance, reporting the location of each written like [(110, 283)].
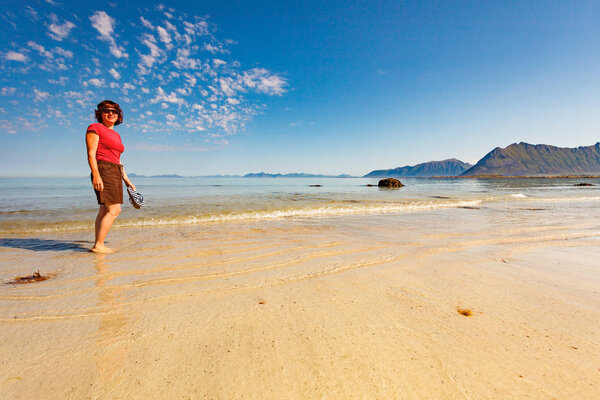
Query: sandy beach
[(349, 307)]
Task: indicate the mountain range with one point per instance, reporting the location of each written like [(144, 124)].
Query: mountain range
[(293, 175), (518, 159), (524, 159), (450, 167)]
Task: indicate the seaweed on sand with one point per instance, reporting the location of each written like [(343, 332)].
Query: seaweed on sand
[(35, 277)]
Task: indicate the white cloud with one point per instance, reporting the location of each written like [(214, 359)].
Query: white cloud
[(184, 61), (157, 55), (263, 81), (128, 86), (40, 95), (146, 23), (145, 90), (96, 82), (170, 117), (166, 98), (213, 49), (32, 13), (191, 80), (40, 49), (7, 91), (173, 29), (14, 56), (82, 98), (60, 81), (115, 74), (163, 35), (161, 148), (62, 52), (60, 31), (200, 28), (105, 25)]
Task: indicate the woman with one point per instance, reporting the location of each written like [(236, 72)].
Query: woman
[(104, 148)]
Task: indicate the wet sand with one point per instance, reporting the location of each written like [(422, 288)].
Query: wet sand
[(353, 307)]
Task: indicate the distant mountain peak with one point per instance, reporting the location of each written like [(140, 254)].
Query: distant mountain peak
[(448, 167), (525, 159)]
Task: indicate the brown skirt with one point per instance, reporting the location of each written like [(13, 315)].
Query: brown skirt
[(112, 178)]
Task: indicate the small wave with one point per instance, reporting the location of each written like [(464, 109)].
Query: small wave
[(518, 196), (19, 212), (321, 211), (325, 211), (567, 199)]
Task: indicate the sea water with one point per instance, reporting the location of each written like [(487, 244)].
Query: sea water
[(44, 205)]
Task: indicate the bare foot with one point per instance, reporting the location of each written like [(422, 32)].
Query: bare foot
[(101, 249)]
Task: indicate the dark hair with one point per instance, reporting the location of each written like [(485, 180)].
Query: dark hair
[(105, 104)]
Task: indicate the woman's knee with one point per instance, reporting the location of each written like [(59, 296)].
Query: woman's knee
[(114, 210)]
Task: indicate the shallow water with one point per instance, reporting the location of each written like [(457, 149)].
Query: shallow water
[(29, 205)]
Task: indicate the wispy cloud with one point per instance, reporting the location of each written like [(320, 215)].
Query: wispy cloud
[(40, 49), (105, 26), (32, 13), (40, 95), (158, 148), (165, 74), (14, 56), (114, 73), (7, 91), (60, 31), (62, 52), (95, 82), (265, 82)]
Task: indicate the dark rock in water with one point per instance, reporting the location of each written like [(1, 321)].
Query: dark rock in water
[(584, 184), (390, 183), (370, 185), (315, 185)]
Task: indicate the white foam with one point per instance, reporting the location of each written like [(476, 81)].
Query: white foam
[(324, 211)]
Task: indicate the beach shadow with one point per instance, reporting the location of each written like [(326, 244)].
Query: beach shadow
[(35, 244)]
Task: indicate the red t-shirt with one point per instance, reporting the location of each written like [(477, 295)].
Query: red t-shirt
[(110, 146)]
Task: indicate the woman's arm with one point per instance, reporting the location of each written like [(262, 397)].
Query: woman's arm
[(126, 179), (91, 140)]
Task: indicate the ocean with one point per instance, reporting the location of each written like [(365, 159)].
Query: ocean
[(36, 205), (33, 205)]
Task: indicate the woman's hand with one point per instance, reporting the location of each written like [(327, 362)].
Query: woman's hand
[(97, 183), (132, 186)]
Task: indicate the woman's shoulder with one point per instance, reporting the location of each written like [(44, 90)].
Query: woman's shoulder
[(96, 128)]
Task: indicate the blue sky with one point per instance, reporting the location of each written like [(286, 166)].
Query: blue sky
[(232, 87)]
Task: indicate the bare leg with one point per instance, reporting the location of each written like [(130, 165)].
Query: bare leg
[(101, 212), (103, 225)]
